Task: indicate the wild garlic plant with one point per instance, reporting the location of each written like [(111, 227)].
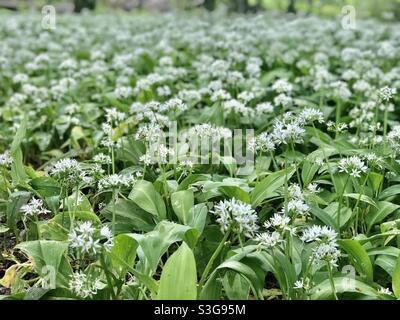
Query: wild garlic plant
[(119, 170)]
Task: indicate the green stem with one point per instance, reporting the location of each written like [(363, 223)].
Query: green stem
[(358, 201), (296, 166), (340, 203), (114, 200), (212, 259), (331, 281)]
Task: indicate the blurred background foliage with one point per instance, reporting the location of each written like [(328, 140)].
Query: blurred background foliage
[(382, 9)]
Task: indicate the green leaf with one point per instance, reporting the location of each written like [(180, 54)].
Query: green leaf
[(129, 216), (47, 256), (249, 272), (375, 180), (324, 216), (192, 178), (396, 279), (131, 150), (124, 248), (197, 217), (362, 198), (235, 192), (323, 290), (376, 215), (270, 184), (387, 263), (182, 202), (18, 173), (308, 171), (179, 276), (236, 287), (360, 257), (389, 192), (345, 213), (146, 197), (154, 244), (45, 186)]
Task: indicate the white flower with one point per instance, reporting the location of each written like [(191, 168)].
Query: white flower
[(262, 142), (236, 215), (82, 285), (385, 291), (67, 170), (268, 239), (303, 283), (282, 86), (318, 233), (326, 249), (6, 159), (35, 207), (106, 233), (101, 158), (287, 131), (298, 206), (81, 238), (147, 159), (116, 181), (282, 100), (386, 93), (353, 166), (113, 115), (310, 115), (278, 221), (299, 284), (264, 108)]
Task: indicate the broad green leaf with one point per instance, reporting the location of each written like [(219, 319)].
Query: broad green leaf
[(359, 255), (235, 286), (129, 216), (193, 178), (179, 276), (387, 263), (154, 244), (345, 213), (270, 184), (323, 290), (254, 278), (146, 197), (124, 248), (389, 192), (235, 192), (49, 259), (396, 279), (45, 186), (308, 171), (18, 173), (182, 202), (362, 198), (376, 215), (197, 217), (324, 216)]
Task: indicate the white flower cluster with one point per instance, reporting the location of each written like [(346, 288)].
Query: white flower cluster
[(386, 93), (68, 171), (5, 159), (237, 216), (296, 204), (35, 207), (101, 158), (353, 166), (83, 286), (116, 181), (86, 238), (326, 248)]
